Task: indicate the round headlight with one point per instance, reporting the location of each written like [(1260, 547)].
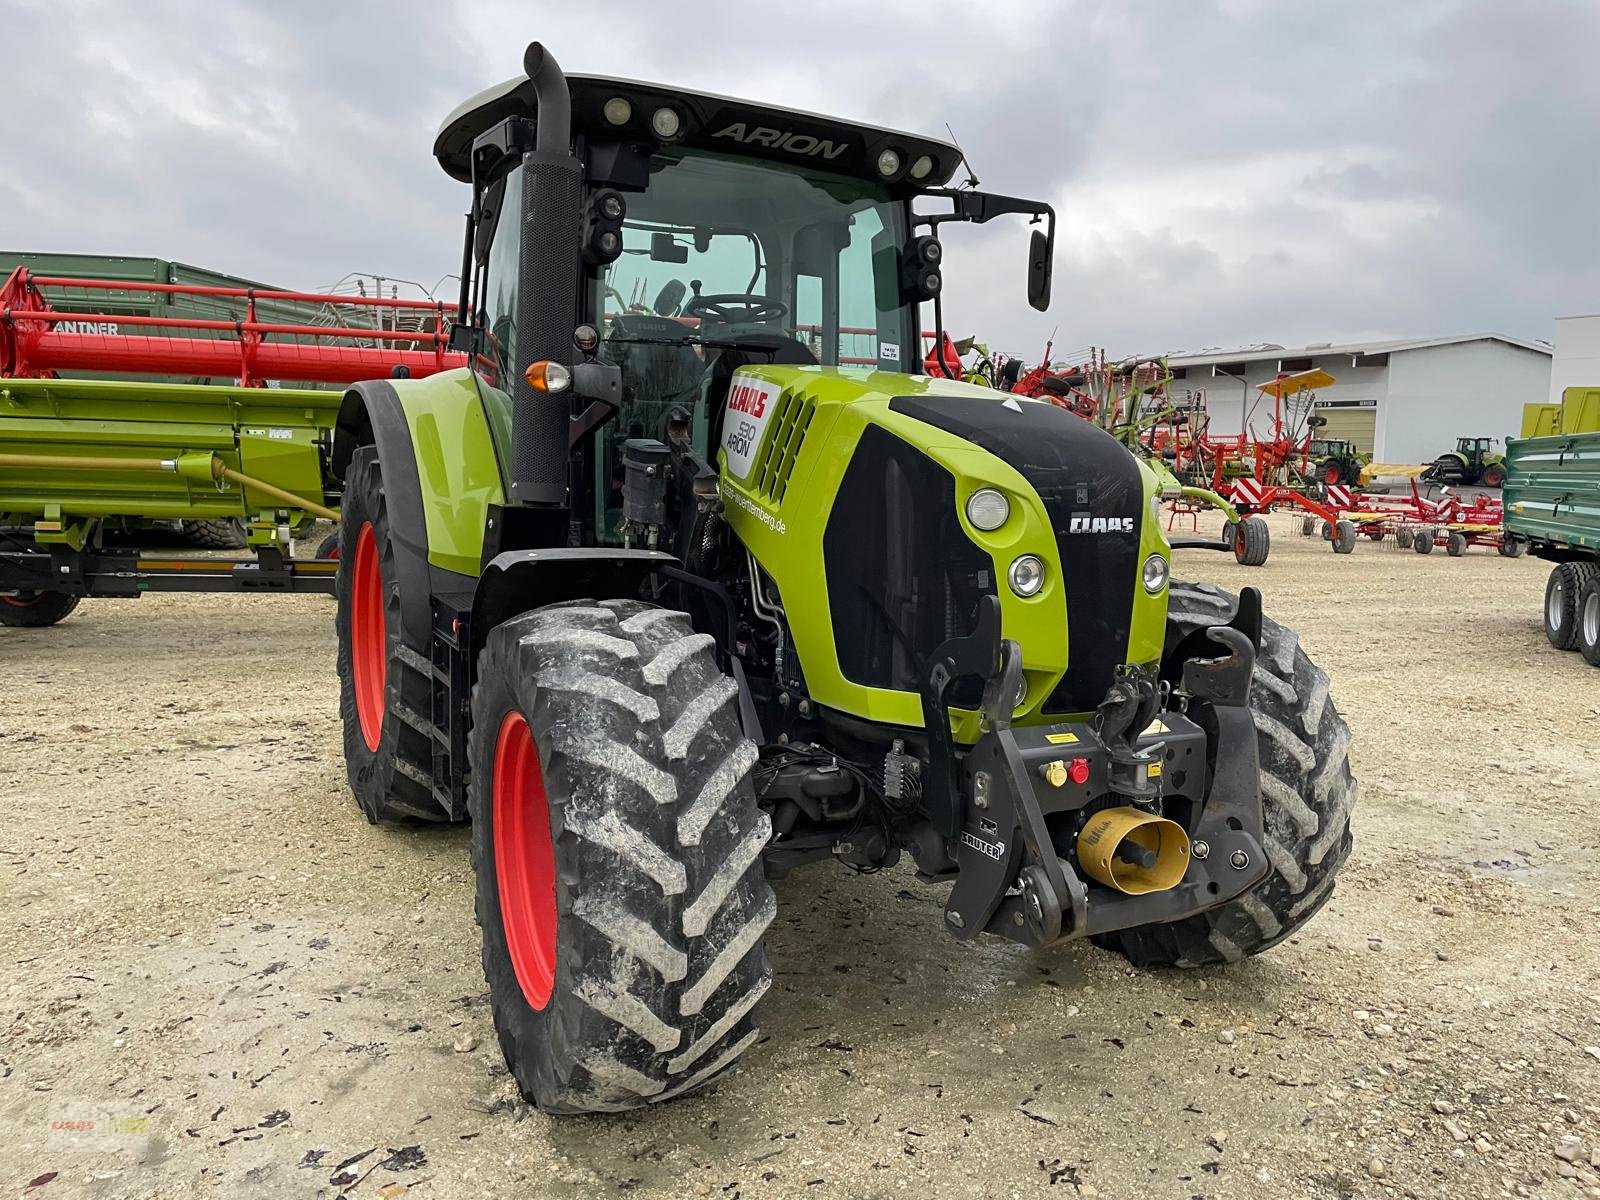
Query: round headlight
[(611, 206), (922, 168), (618, 111), (666, 122), (888, 163), (586, 338), (1026, 575), (987, 509), (1155, 573)]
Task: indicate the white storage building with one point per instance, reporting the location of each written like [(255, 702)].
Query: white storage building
[(1401, 401), (1577, 355)]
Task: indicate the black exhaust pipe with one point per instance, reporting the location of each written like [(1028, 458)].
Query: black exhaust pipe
[(549, 274)]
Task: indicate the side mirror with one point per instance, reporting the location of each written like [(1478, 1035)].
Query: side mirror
[(1039, 270), (665, 248), (463, 338)]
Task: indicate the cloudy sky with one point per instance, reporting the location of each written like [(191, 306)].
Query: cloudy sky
[(1226, 171)]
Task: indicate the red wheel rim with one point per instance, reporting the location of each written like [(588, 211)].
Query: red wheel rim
[(1331, 475), (369, 650), (525, 860), (23, 601)]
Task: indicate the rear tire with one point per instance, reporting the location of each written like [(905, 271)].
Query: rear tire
[(385, 685), (1307, 794), (226, 534), (36, 610), (1456, 544), (1589, 621), (1344, 537), (619, 877), (1561, 593), (1252, 541)]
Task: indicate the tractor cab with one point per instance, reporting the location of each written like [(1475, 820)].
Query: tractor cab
[(717, 234), (1474, 449)]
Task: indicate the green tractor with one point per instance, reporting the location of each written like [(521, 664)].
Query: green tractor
[(1337, 461), (1473, 461), (669, 603)]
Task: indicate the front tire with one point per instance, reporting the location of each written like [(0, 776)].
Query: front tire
[(1307, 794), (618, 856), (36, 610), (1344, 537)]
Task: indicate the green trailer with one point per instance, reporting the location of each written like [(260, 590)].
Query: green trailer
[(1552, 503)]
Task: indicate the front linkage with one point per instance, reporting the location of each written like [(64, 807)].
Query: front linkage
[(1109, 784)]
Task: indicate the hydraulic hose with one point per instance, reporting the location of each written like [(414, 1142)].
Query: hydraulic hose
[(219, 470)]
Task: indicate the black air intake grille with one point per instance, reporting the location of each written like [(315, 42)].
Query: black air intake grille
[(1078, 471), (902, 574)]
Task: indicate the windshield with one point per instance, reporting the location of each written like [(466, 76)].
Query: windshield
[(726, 246)]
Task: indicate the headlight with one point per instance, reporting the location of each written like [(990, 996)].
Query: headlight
[(922, 168), (618, 111), (1155, 573), (888, 163), (666, 122), (987, 509), (1026, 575)]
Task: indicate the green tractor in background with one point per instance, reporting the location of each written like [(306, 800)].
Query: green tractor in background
[(1337, 461), (670, 604), (1473, 461)]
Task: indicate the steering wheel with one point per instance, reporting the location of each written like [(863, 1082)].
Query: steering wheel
[(737, 308)]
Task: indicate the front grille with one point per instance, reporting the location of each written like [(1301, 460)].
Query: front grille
[(784, 439), (1078, 470), (902, 575)]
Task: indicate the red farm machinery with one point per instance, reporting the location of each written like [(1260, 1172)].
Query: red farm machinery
[(215, 412)]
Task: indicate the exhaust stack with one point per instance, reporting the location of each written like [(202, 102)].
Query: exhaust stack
[(1133, 852), (548, 273)]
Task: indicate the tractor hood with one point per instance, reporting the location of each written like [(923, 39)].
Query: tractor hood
[(852, 485)]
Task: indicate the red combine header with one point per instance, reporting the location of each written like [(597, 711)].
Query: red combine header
[(365, 337)]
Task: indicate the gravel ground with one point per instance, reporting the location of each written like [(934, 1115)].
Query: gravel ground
[(209, 949)]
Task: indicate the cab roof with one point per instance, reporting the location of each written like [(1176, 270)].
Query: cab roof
[(710, 122)]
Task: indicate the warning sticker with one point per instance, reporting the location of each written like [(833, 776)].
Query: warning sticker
[(1155, 727), (1060, 739), (889, 351), (749, 408)]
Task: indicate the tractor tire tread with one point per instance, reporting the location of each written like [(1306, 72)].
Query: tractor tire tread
[(395, 782), (1307, 795), (224, 534), (662, 902)]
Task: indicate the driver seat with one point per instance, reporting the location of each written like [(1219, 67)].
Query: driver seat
[(655, 378)]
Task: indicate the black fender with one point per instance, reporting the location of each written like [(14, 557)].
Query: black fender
[(371, 415), (517, 580)]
